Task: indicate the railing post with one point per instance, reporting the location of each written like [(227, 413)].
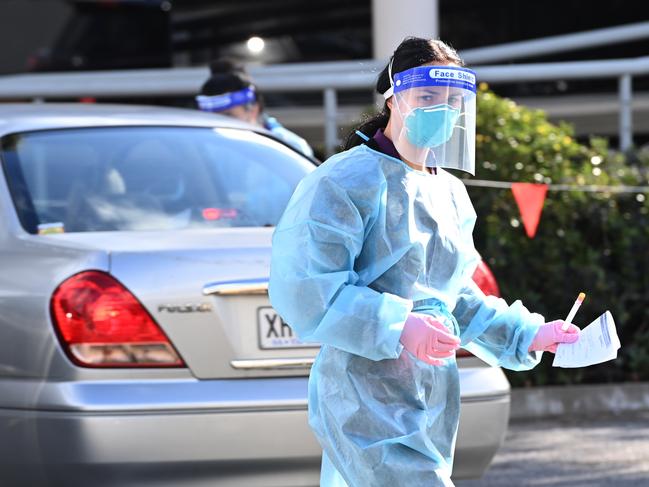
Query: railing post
[(626, 112), (331, 120)]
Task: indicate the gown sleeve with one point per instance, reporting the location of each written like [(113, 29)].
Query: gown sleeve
[(313, 284), (498, 333)]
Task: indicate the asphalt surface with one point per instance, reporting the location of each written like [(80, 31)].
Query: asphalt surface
[(607, 451)]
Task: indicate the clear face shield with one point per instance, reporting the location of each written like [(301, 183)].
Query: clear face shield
[(433, 116)]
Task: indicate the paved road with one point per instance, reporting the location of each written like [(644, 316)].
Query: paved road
[(604, 451)]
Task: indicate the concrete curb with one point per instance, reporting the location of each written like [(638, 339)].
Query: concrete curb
[(542, 402)]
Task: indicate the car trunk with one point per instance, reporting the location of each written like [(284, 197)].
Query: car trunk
[(207, 289)]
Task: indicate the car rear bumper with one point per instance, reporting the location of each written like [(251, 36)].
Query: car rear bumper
[(483, 424), (484, 415), (250, 432), (160, 433), (171, 449)]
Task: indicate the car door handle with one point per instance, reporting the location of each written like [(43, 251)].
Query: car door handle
[(273, 363), (237, 288)]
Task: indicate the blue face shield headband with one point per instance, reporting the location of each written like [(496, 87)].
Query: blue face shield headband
[(220, 103), (445, 76), (433, 116)]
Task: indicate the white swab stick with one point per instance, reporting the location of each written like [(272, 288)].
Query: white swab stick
[(573, 311)]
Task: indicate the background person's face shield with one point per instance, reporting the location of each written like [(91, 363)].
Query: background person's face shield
[(433, 116)]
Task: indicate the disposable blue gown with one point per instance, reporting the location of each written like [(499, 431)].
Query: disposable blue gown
[(364, 241)]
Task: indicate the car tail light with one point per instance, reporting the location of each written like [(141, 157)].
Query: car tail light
[(101, 324), (485, 280)]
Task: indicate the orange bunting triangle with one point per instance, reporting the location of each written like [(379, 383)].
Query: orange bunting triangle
[(530, 198)]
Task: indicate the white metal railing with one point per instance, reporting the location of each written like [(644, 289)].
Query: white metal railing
[(559, 43), (187, 81), (331, 77)]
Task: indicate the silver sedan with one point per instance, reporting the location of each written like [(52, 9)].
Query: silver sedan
[(137, 344)]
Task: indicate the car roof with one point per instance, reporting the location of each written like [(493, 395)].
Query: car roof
[(24, 117)]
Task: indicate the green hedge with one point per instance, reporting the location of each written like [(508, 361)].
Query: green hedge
[(591, 242)]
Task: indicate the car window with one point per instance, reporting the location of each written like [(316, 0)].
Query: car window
[(148, 178)]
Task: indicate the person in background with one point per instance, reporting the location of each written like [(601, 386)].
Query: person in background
[(230, 91)]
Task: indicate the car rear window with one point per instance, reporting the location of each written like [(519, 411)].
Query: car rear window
[(148, 178)]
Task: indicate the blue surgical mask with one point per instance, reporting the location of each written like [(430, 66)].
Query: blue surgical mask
[(429, 127)]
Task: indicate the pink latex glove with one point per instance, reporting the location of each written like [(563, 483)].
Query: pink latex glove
[(550, 336), (428, 339)]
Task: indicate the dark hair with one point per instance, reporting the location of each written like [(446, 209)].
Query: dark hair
[(412, 52), (228, 75)]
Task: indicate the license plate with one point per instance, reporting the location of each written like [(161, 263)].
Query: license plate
[(275, 333)]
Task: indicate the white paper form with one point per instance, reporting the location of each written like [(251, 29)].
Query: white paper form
[(597, 343)]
